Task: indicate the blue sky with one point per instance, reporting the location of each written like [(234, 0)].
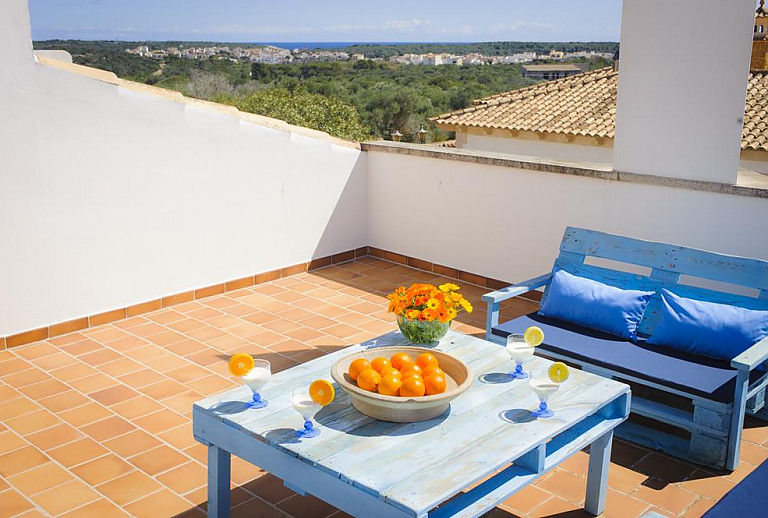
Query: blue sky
[(336, 20)]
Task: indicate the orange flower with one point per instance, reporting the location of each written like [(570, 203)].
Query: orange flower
[(427, 302), (420, 300)]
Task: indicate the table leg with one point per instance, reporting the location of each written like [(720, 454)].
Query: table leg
[(597, 476), (218, 482)]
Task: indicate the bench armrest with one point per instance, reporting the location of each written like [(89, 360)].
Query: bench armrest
[(752, 357), (517, 289), (494, 299)]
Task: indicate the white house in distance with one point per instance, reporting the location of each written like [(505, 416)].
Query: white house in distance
[(574, 118)]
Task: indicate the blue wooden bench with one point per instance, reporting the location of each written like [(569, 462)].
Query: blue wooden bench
[(703, 400)]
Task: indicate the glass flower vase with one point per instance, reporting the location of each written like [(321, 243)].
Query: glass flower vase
[(422, 331)]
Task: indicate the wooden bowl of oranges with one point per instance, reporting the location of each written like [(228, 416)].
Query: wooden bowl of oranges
[(402, 384)]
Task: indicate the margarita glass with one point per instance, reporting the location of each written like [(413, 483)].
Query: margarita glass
[(519, 350), (256, 378), (307, 408), (544, 389)]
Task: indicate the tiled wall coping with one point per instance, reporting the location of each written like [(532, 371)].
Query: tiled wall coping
[(81, 323), (752, 185)]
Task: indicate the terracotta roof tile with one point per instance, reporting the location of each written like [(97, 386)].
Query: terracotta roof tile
[(585, 105)]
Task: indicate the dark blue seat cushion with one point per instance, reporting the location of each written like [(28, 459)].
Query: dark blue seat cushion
[(746, 499), (696, 375)]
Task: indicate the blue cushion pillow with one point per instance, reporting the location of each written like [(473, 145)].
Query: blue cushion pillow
[(595, 305), (707, 328)]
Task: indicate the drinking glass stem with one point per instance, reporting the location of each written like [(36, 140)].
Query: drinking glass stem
[(543, 406), (308, 425), (518, 373), (258, 402)]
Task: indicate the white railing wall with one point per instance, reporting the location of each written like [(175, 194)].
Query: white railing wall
[(507, 222)]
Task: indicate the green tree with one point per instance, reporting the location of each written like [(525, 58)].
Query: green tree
[(305, 109), (261, 72), (388, 107)]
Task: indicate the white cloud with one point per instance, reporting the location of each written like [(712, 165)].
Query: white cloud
[(347, 28), (406, 25), (518, 24), (258, 29), (464, 30), (390, 26)]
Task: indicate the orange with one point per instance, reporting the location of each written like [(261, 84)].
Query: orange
[(425, 360), (379, 363), (390, 385), (398, 359), (411, 374), (390, 370), (434, 384), (368, 380), (410, 367), (321, 392), (412, 387), (429, 371), (358, 366), (240, 364)]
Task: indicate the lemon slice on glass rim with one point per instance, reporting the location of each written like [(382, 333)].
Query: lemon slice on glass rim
[(533, 336), (558, 372), (322, 392)]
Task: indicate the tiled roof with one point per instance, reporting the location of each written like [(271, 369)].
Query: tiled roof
[(585, 105), (755, 133)]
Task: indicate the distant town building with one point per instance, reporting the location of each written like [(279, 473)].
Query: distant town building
[(549, 72), (759, 61), (556, 54), (275, 55), (432, 59), (270, 55)]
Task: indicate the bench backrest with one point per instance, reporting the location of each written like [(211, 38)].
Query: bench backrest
[(667, 263)]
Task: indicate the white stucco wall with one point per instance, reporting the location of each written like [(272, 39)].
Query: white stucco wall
[(535, 148), (754, 165), (109, 197), (680, 107), (507, 223)]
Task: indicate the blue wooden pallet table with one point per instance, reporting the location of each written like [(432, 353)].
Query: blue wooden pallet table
[(486, 441)]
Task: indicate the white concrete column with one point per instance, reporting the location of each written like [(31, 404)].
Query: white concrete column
[(682, 87), (15, 38)]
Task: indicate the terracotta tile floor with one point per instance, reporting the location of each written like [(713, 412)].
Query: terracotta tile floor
[(97, 423)]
